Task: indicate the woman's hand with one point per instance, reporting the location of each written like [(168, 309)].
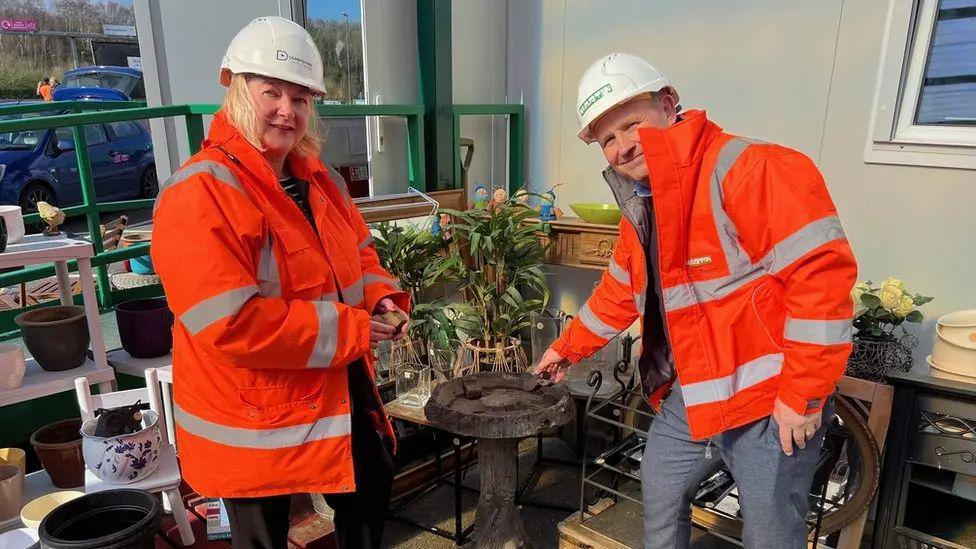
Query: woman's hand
[(382, 331)]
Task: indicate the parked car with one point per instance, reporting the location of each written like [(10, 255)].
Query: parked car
[(102, 82), (40, 165)]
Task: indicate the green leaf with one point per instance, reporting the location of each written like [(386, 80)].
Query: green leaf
[(914, 316), (870, 300), (921, 299)]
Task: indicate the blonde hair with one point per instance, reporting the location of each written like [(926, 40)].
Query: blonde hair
[(239, 109)]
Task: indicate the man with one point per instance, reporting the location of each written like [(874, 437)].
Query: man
[(732, 256)]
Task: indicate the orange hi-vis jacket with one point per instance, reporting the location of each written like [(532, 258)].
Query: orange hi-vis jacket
[(268, 318), (754, 269)]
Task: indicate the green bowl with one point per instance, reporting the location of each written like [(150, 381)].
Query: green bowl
[(594, 212)]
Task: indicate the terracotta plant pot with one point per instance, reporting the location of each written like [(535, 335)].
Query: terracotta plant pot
[(58, 446), (15, 457), (145, 327), (142, 264), (12, 366), (57, 337), (11, 491)]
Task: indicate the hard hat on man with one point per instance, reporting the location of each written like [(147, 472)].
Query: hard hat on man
[(613, 80)]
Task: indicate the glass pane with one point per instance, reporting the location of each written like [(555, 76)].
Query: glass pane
[(336, 26), (949, 88)]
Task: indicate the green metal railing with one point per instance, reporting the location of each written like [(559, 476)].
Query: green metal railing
[(106, 112), (516, 138)]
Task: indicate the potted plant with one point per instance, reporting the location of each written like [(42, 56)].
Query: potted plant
[(416, 257), (501, 281), (881, 343)]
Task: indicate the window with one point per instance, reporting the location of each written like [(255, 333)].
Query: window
[(121, 130), (94, 135), (925, 109)]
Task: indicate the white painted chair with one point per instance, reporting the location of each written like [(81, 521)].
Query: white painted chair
[(166, 478)]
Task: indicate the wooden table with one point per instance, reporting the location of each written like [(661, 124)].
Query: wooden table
[(576, 243)]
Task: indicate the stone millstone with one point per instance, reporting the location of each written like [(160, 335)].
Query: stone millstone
[(499, 405)]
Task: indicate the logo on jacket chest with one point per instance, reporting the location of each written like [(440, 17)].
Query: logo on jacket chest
[(699, 261)]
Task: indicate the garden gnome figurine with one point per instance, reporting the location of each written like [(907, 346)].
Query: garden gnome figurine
[(480, 197), (51, 215), (548, 210), (435, 225), (498, 198)]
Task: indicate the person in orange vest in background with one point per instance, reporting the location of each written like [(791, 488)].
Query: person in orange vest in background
[(732, 256), (276, 287), (44, 89)]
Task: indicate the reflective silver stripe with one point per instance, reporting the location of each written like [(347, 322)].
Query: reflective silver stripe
[(212, 309), (639, 302), (328, 336), (366, 243), (819, 332), (595, 325), (330, 296), (339, 182), (353, 293), (728, 236), (374, 278), (619, 273), (812, 236), (745, 376), (269, 281), (216, 169), (263, 439)]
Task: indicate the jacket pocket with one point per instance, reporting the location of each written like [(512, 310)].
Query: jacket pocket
[(303, 267), (767, 304), (269, 401)]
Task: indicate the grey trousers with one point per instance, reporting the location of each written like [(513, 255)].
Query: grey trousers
[(773, 487)]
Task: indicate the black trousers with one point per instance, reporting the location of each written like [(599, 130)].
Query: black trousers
[(262, 523)]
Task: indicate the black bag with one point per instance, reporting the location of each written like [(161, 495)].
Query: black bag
[(123, 420)]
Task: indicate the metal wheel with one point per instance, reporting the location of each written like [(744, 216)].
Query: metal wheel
[(149, 185), (854, 470)]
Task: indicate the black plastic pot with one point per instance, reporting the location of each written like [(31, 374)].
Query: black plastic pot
[(145, 327), (57, 337), (113, 519)]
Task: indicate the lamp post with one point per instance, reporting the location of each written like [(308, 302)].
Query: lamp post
[(348, 71)]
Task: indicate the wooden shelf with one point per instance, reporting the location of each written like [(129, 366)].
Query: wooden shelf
[(576, 243), (40, 383)]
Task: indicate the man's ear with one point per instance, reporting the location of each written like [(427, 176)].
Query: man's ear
[(668, 97)]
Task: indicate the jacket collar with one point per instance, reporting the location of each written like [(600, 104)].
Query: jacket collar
[(224, 136), (686, 140)]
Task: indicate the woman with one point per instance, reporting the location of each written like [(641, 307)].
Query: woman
[(271, 274)]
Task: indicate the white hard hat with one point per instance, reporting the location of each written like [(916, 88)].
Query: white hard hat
[(612, 80), (277, 48)]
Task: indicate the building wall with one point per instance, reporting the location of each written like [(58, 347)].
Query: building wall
[(798, 73)]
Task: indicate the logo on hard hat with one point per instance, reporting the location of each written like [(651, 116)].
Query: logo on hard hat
[(594, 97), (282, 55)]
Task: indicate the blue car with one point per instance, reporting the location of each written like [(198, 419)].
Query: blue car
[(102, 83), (40, 165)]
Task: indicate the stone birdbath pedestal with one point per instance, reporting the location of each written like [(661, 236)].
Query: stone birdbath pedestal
[(498, 409)]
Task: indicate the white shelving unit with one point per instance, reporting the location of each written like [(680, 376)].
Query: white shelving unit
[(39, 249), (124, 363)]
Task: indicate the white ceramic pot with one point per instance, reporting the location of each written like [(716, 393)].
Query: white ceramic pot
[(958, 327), (948, 372), (15, 223), (12, 366), (126, 458)]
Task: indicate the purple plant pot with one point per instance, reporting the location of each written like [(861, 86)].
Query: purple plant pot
[(145, 327)]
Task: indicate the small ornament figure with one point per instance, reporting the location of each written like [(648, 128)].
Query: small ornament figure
[(435, 225), (480, 198), (548, 210), (498, 198), (51, 215), (444, 222)]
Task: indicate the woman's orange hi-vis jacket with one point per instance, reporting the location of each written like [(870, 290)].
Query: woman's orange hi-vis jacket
[(269, 316), (755, 276)]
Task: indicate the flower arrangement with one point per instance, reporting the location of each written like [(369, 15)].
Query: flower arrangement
[(881, 308)]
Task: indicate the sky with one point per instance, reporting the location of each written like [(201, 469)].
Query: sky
[(332, 9)]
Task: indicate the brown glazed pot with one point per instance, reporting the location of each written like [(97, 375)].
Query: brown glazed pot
[(58, 446), (145, 327), (57, 337)]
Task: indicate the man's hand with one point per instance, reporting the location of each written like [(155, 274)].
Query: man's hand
[(794, 427), (381, 331), (553, 364)]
